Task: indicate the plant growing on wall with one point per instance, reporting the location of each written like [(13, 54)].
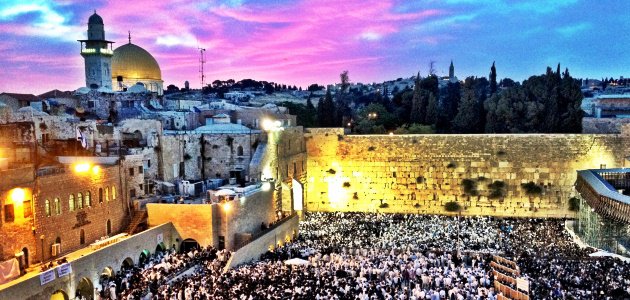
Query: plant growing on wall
[(501, 153), (419, 179), (355, 196), (187, 156), (416, 206), (451, 165), (331, 171), (371, 148), (574, 204), (470, 187), (383, 204), (229, 141), (497, 189), (532, 189), (452, 206), (346, 184)]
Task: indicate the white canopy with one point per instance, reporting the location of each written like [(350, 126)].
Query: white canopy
[(224, 192), (297, 262)]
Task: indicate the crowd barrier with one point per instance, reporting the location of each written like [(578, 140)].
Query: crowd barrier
[(506, 274)]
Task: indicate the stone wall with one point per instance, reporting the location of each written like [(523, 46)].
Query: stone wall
[(603, 125), (107, 202), (221, 153), (179, 149), (287, 231), (420, 173), (91, 266), (206, 222)]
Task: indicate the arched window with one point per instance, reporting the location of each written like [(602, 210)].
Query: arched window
[(79, 201), (109, 227), (82, 237), (47, 207), (100, 195), (57, 206), (107, 194), (113, 192), (239, 151), (88, 199), (71, 202)]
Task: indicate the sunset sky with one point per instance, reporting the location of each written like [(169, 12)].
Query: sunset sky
[(300, 42)]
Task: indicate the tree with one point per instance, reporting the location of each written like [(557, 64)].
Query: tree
[(433, 110), (468, 118), (326, 111), (493, 79), (418, 103)]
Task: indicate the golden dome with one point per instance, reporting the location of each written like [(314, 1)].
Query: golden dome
[(132, 62)]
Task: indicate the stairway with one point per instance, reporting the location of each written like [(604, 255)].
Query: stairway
[(139, 217)]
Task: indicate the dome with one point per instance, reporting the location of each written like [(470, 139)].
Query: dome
[(133, 62), (95, 19)]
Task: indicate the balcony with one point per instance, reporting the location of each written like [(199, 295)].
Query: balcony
[(89, 51)]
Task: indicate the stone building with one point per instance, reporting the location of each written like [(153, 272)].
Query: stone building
[(16, 101)]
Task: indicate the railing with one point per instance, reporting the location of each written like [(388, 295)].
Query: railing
[(602, 197)]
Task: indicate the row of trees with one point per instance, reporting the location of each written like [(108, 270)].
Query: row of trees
[(543, 103)]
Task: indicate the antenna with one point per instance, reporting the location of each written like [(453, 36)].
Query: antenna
[(202, 61)]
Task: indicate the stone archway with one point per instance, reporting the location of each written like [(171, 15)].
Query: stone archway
[(160, 248), (85, 289), (187, 245), (144, 257), (59, 295), (106, 276), (127, 264)]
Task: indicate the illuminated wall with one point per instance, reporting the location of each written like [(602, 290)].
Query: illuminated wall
[(420, 173)]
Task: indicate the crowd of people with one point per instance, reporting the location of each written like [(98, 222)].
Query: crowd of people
[(152, 276), (391, 256)]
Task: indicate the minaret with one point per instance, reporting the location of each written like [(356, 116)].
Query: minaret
[(451, 71), (97, 54)]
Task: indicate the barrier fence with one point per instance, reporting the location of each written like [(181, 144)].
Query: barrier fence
[(507, 280)]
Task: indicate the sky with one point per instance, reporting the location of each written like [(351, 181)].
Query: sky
[(299, 42)]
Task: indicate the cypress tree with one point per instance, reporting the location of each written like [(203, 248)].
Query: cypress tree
[(493, 79)]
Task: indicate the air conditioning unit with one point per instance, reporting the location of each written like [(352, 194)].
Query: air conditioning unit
[(232, 181), (56, 249)]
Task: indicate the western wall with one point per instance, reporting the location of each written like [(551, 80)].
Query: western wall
[(501, 175)]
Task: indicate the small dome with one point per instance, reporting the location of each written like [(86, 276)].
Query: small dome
[(95, 19), (133, 62)]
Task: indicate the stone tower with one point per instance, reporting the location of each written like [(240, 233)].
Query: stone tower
[(451, 71), (97, 54)]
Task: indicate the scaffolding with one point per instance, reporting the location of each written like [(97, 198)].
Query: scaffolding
[(602, 232)]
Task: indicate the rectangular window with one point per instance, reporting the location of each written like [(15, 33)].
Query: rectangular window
[(140, 170), (90, 104), (132, 193), (45, 138), (130, 171), (28, 210), (294, 169), (9, 213), (148, 163), (141, 187)]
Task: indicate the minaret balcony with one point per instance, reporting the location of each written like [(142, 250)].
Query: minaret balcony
[(103, 51)]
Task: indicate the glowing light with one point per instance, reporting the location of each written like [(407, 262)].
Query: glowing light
[(96, 170), (17, 195), (391, 134), (82, 167), (227, 207), (271, 125), (242, 198), (266, 186)]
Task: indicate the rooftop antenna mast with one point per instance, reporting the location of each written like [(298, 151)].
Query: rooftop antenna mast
[(202, 61)]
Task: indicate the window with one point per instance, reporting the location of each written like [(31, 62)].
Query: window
[(140, 170), (113, 192), (71, 202), (46, 207), (294, 169), (9, 213), (239, 151), (45, 138), (109, 227), (148, 163), (130, 171), (132, 193), (79, 201), (88, 199), (57, 206), (82, 237), (28, 210), (107, 194), (100, 195)]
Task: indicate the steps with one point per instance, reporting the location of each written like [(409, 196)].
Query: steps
[(139, 217)]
